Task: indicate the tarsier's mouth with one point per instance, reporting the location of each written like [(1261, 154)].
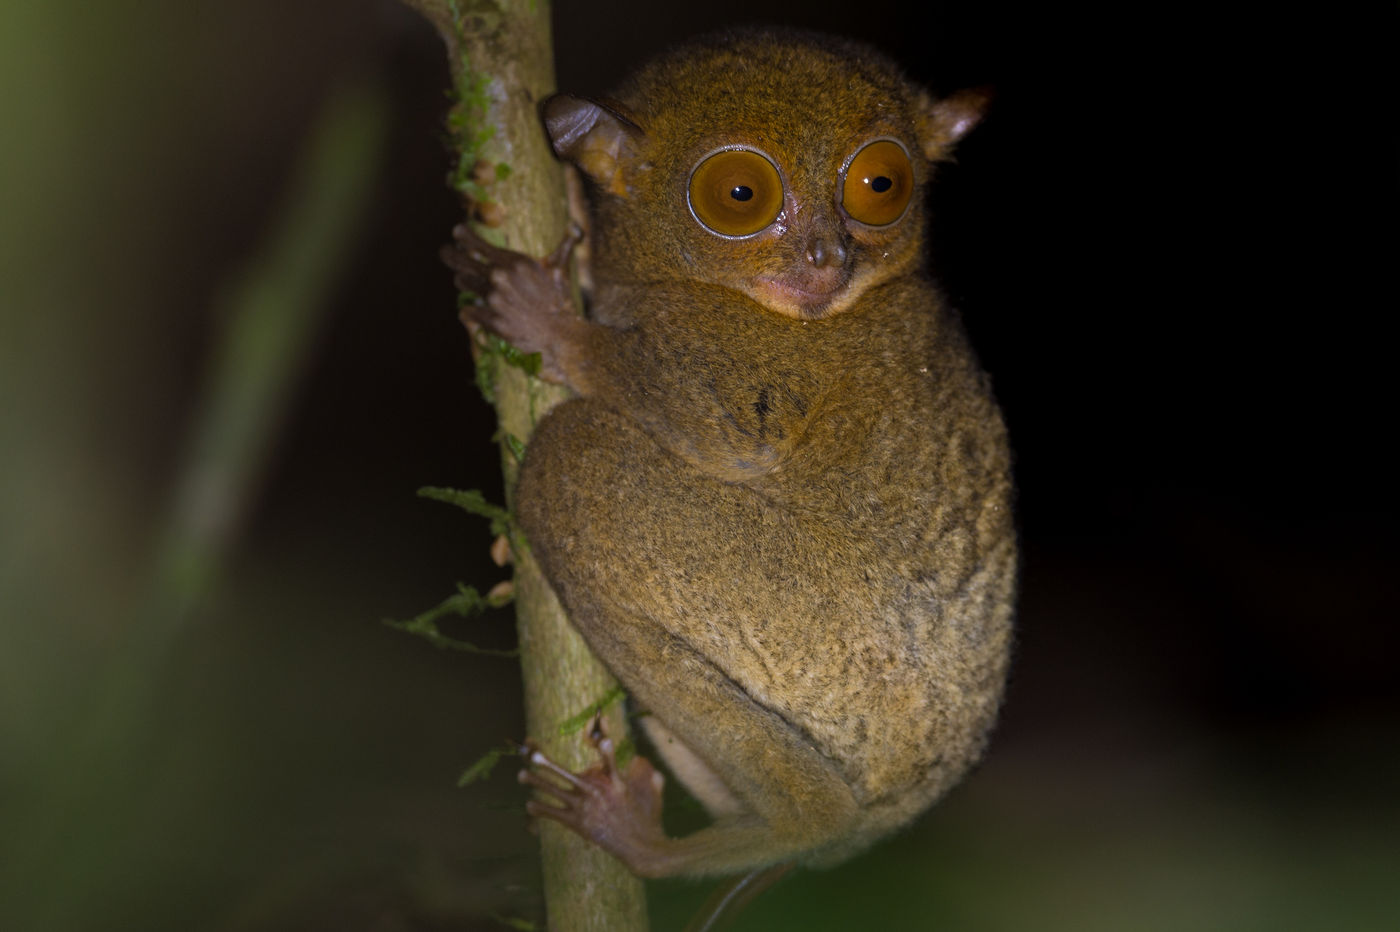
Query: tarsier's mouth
[(803, 296)]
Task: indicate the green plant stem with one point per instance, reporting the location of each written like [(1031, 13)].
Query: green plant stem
[(272, 311), (502, 65), (95, 794)]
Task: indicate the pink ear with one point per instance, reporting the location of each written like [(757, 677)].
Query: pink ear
[(600, 139), (950, 119)]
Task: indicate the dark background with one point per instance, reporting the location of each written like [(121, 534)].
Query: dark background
[(1173, 241)]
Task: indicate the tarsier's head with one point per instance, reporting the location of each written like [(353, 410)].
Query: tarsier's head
[(787, 167)]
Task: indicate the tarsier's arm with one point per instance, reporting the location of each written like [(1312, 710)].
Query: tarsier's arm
[(735, 423)]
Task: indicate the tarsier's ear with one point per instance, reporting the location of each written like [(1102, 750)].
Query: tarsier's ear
[(950, 119), (601, 139)]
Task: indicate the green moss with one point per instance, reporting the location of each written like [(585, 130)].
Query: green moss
[(471, 500), (529, 363), (578, 721), (514, 444), (467, 122), (487, 367), (482, 767), (466, 602)]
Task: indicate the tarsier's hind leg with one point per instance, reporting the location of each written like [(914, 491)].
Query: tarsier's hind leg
[(632, 539)]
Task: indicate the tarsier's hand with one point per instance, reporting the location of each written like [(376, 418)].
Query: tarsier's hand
[(524, 300)]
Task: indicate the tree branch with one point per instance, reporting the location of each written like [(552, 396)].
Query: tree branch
[(502, 68)]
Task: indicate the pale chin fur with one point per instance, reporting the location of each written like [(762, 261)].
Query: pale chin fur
[(804, 305)]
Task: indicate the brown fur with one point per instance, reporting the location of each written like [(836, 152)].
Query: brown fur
[(786, 529)]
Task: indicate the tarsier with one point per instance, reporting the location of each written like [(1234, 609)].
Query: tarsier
[(779, 508)]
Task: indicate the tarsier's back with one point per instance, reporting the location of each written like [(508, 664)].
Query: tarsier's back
[(779, 510)]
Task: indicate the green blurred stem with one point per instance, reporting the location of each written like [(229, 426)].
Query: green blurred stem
[(96, 793), (270, 313)]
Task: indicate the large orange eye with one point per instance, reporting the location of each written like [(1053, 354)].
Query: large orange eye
[(735, 192), (879, 182)]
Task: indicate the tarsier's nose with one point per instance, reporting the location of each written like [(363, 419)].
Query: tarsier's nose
[(825, 249)]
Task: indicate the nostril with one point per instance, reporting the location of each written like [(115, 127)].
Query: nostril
[(823, 252)]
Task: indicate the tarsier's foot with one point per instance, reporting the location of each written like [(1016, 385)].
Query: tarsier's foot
[(618, 810), (526, 301)]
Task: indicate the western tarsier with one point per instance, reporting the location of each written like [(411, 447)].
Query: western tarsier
[(779, 508)]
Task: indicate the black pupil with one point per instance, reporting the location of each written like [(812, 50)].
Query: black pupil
[(741, 192), (881, 184)]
